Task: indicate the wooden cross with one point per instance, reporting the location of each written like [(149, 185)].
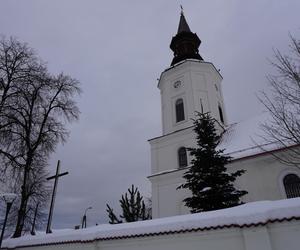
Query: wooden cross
[(55, 177)]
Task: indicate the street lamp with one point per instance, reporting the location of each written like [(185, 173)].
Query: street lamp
[(83, 224), (9, 199)]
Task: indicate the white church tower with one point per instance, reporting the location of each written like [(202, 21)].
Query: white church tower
[(190, 84)]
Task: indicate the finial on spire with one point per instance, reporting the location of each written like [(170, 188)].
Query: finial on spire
[(181, 12)]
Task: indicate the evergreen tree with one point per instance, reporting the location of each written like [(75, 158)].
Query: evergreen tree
[(133, 208), (113, 219), (208, 180)]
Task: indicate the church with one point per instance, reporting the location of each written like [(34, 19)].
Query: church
[(267, 221), (192, 85)]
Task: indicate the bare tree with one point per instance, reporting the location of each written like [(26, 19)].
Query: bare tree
[(39, 195), (283, 104), (34, 109)]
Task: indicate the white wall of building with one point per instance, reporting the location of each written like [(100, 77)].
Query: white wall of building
[(263, 178), (263, 181), (200, 84)]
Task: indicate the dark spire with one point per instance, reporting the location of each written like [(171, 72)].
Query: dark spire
[(183, 25), (185, 44)]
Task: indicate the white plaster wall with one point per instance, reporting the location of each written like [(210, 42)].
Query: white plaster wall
[(164, 149), (263, 177), (284, 236), (231, 239), (263, 181), (198, 80), (166, 199), (274, 236)]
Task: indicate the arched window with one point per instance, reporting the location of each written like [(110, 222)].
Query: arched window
[(179, 110), (182, 157), (221, 114), (291, 184)]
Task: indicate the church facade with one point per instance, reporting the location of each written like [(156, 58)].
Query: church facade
[(192, 85)]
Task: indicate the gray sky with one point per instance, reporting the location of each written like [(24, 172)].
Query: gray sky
[(117, 50)]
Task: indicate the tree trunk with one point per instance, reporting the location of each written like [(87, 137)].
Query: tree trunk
[(23, 204)]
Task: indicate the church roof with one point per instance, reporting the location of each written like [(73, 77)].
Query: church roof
[(245, 139), (248, 215), (183, 25)]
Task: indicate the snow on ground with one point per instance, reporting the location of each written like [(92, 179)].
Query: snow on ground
[(248, 214)]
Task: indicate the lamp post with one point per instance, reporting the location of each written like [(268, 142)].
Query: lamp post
[(9, 199), (83, 224)]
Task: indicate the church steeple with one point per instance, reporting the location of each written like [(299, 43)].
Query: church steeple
[(183, 25), (185, 44)]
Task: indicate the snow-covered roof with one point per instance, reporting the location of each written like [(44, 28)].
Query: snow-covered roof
[(244, 138), (247, 215)]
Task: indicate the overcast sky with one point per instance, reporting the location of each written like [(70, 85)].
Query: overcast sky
[(117, 50)]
